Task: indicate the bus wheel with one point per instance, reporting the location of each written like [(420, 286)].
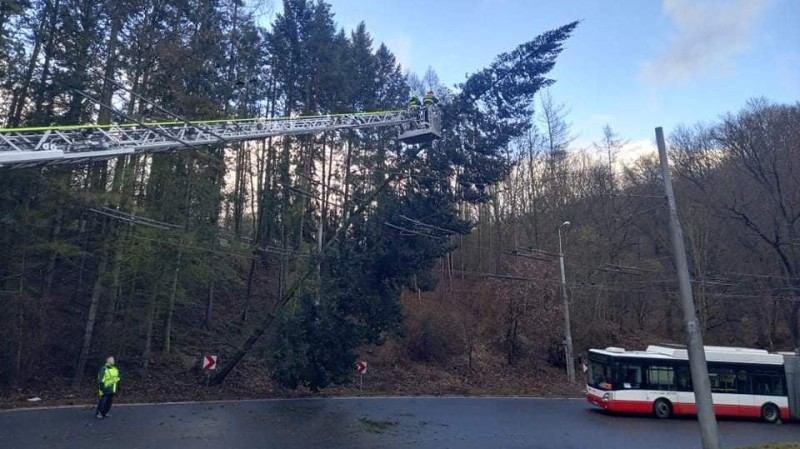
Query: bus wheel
[(770, 413), (662, 408)]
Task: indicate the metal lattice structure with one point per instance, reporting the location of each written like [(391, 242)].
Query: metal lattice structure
[(23, 147)]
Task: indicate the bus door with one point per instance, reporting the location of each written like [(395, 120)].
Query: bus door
[(749, 403), (725, 393), (629, 388), (685, 403), (660, 381)]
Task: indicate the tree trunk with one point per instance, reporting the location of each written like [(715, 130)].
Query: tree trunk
[(107, 91), (210, 303), (238, 191), (17, 376), (41, 90), (20, 95), (249, 292), (82, 264), (114, 291), (90, 321), (51, 264), (75, 109), (347, 181), (151, 320), (171, 306), (20, 347)]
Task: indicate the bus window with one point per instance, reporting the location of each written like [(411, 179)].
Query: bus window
[(768, 385), (631, 376), (661, 378), (743, 382), (723, 380), (684, 378), (603, 375)]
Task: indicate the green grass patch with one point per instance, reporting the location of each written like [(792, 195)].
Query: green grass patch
[(373, 426)]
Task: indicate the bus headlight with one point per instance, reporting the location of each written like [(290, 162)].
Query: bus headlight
[(606, 397)]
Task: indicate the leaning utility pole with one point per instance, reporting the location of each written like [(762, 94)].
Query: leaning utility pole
[(565, 300), (697, 354)]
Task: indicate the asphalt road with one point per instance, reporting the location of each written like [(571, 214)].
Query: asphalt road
[(463, 423)]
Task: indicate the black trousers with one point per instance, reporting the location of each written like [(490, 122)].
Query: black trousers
[(105, 404)]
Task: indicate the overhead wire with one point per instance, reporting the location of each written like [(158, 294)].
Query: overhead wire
[(574, 285), (580, 286), (596, 268), (112, 213), (224, 253), (427, 225), (406, 231)]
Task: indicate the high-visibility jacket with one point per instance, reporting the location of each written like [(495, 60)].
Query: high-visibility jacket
[(414, 103), (108, 377), (429, 100)]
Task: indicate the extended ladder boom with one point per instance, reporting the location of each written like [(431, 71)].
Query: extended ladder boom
[(22, 147)]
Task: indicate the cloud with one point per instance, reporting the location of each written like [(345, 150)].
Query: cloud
[(401, 47), (633, 150), (627, 156), (708, 36)]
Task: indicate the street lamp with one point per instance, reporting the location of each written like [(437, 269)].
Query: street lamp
[(567, 331)]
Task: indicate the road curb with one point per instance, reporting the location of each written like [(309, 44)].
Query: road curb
[(330, 398)]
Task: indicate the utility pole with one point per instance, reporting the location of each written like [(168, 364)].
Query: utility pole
[(567, 330), (697, 355)]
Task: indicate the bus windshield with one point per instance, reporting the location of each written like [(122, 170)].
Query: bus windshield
[(609, 374), (603, 375)]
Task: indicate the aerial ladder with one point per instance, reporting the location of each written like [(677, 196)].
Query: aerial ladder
[(55, 145)]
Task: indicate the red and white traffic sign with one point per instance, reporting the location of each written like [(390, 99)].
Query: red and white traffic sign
[(210, 362), (361, 367)]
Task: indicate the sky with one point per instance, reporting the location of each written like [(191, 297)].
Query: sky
[(632, 64)]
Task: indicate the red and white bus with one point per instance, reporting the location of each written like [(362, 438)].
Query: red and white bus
[(744, 382)]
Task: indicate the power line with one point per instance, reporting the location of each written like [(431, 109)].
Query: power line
[(517, 253), (199, 248), (406, 231), (134, 219), (579, 286), (429, 226)]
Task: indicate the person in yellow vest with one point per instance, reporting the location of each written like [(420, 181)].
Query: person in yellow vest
[(413, 105), (108, 380), (429, 99)]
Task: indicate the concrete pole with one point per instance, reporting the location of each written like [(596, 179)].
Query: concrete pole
[(697, 356), (567, 327)]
